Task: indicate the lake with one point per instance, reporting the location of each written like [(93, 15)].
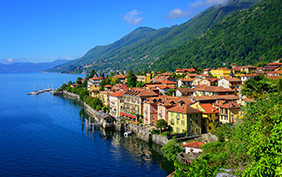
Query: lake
[(43, 135)]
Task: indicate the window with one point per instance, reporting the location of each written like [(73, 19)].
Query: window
[(196, 130), (190, 121), (196, 115), (182, 122), (209, 128), (182, 130), (152, 116), (177, 121), (178, 129), (196, 121)]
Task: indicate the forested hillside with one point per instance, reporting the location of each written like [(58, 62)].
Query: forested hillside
[(246, 37), (144, 46)]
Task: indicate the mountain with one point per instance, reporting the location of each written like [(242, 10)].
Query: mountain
[(27, 67), (142, 47), (246, 37)]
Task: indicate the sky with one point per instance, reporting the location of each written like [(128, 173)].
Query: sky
[(46, 30)]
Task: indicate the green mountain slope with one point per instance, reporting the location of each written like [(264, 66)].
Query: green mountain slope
[(246, 37), (147, 48)]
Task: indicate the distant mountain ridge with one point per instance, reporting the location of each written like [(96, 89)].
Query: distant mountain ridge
[(142, 47), (247, 37), (28, 67)]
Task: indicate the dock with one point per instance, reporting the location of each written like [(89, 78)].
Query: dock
[(39, 91)]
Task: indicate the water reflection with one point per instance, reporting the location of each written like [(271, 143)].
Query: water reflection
[(144, 153)]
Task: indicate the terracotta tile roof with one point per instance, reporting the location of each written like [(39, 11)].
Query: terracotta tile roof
[(249, 75), (192, 75), (186, 109), (96, 78), (108, 86), (209, 108), (222, 69), (194, 144), (212, 79), (248, 100), (207, 69), (237, 68), (140, 92), (214, 89), (228, 105), (117, 94), (119, 76), (277, 64), (274, 77), (168, 82), (249, 66), (232, 79), (187, 80), (216, 97), (185, 91)]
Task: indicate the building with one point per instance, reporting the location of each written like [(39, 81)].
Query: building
[(209, 115), (94, 81), (184, 119), (116, 103), (203, 90), (184, 71), (221, 72), (248, 69), (133, 100), (272, 66), (228, 111), (194, 147), (185, 82), (208, 82), (184, 92), (121, 78), (230, 82)]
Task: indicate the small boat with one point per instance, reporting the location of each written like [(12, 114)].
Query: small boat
[(127, 133)]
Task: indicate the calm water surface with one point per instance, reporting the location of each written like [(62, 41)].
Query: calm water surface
[(43, 135)]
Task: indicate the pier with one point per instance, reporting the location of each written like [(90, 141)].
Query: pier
[(39, 91)]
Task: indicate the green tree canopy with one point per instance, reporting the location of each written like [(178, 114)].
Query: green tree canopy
[(93, 73), (161, 123), (170, 149), (131, 79)]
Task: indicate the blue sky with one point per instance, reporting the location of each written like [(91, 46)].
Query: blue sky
[(41, 30)]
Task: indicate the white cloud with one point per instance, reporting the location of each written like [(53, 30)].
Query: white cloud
[(131, 17), (9, 61), (205, 3), (177, 13)]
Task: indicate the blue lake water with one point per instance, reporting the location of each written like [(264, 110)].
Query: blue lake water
[(43, 135)]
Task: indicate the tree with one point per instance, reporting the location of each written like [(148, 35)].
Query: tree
[(171, 91), (93, 73), (78, 81), (131, 79), (139, 84), (171, 148), (257, 86), (261, 64), (161, 123), (83, 93), (163, 71), (114, 81)]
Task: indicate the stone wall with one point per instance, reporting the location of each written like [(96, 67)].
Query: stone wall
[(71, 95), (160, 140)]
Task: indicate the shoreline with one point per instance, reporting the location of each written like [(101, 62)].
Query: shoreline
[(141, 132)]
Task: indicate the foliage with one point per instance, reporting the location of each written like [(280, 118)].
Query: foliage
[(139, 84), (257, 86), (131, 79), (170, 149), (93, 73), (261, 64), (78, 80), (250, 36), (266, 137), (161, 123), (253, 145), (144, 46)]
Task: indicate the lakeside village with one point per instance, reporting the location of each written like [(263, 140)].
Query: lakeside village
[(187, 104)]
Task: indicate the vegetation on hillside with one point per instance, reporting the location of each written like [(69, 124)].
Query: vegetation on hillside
[(144, 46), (246, 37)]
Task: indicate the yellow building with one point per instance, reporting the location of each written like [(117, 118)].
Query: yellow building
[(185, 119), (248, 69), (104, 97), (145, 79), (221, 72), (209, 115)]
